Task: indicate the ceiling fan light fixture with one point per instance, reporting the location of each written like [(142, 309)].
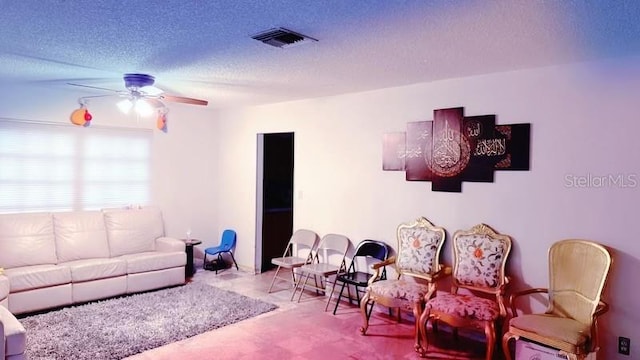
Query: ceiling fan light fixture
[(124, 105), (140, 106), (143, 108)]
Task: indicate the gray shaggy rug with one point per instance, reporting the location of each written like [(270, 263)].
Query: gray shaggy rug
[(120, 327)]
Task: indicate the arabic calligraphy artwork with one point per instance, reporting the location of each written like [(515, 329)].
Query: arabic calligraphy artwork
[(454, 148)]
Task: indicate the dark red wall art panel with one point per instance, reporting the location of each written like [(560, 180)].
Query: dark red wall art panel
[(454, 148)]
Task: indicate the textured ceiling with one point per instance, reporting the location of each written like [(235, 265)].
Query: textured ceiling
[(204, 49)]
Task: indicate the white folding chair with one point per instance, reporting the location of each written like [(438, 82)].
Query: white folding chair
[(329, 259), (299, 251)]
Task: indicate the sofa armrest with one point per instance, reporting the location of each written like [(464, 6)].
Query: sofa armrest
[(4, 289), (3, 340), (168, 244), (13, 335)]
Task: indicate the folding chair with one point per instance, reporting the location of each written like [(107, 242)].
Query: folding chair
[(328, 260), (360, 273), (299, 251)]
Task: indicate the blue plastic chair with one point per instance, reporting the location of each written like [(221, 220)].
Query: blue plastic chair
[(227, 244)]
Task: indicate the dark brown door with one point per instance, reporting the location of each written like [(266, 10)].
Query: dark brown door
[(277, 192)]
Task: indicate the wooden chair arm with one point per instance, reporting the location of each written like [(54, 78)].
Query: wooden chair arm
[(517, 294), (444, 271), (379, 265), (389, 261), (602, 308)]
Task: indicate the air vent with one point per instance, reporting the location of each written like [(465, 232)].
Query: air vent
[(281, 37)]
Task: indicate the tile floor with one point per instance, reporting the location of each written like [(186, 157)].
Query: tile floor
[(305, 331)]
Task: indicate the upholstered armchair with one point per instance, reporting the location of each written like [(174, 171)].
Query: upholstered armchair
[(418, 268), (577, 274), (480, 255)]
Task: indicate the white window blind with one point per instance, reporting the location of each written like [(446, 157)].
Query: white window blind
[(50, 167)]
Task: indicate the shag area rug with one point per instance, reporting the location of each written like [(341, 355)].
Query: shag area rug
[(120, 327)]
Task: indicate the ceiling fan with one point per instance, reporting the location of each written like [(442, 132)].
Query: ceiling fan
[(140, 86), (140, 95)]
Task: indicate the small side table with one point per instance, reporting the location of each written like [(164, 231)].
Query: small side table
[(189, 270)]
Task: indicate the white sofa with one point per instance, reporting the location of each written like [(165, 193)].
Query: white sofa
[(57, 259)]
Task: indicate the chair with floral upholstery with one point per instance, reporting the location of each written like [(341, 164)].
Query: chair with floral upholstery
[(480, 256), (418, 268), (578, 272)]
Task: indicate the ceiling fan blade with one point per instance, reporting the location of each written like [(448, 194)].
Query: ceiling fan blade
[(94, 87), (95, 96), (84, 100), (185, 100)]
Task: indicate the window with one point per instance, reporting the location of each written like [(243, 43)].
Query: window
[(50, 167)]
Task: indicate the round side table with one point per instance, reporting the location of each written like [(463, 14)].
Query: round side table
[(189, 270)]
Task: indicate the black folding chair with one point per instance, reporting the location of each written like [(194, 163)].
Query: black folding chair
[(359, 271)]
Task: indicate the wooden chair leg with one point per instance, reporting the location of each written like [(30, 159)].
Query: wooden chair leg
[(422, 322), (363, 310), (490, 333), (505, 345), (417, 314)]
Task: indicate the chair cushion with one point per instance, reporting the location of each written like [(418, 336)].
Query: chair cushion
[(549, 326), (406, 291), (465, 306), (14, 332)]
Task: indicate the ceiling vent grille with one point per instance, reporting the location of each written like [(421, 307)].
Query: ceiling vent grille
[(281, 37)]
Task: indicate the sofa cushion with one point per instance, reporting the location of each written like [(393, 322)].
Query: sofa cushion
[(37, 276), (26, 239), (14, 333), (80, 235), (167, 244), (150, 261), (94, 269), (133, 231)]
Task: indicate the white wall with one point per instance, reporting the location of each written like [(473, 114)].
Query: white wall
[(584, 123)]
